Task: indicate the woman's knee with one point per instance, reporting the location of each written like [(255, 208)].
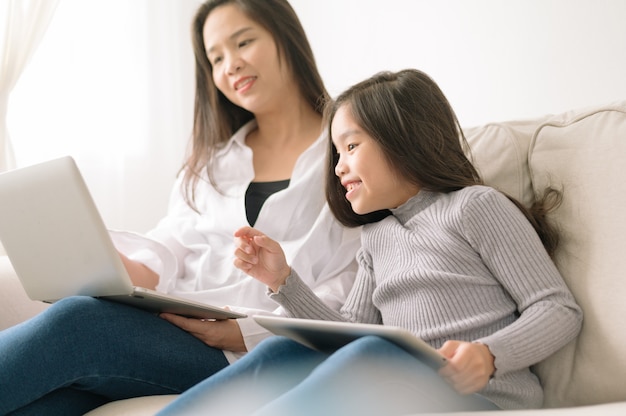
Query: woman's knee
[(73, 310), (85, 315), (74, 304)]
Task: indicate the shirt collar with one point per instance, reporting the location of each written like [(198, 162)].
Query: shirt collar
[(239, 138)]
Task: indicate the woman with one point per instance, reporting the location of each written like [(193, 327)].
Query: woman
[(257, 157)]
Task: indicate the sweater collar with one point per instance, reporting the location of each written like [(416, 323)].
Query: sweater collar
[(415, 204)]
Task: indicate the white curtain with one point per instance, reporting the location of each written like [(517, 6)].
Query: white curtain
[(112, 85), (24, 23)]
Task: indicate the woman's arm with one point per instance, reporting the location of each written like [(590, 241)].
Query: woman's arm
[(223, 334), (140, 274)]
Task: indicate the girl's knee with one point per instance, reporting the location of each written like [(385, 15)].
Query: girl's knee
[(371, 352), (278, 353), (371, 344), (280, 345)]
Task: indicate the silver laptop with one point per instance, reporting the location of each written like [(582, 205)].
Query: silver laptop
[(329, 336), (59, 246)]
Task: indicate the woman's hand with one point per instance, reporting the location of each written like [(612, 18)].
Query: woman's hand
[(470, 365), (261, 257), (139, 273), (224, 334)]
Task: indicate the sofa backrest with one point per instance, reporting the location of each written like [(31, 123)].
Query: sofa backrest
[(583, 152), (499, 152)]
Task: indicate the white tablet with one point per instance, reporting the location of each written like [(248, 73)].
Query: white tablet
[(328, 336)]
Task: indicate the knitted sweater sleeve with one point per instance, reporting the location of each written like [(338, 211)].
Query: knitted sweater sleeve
[(549, 316), (300, 301)]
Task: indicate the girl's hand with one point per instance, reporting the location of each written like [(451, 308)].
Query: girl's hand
[(224, 334), (470, 365), (261, 257)]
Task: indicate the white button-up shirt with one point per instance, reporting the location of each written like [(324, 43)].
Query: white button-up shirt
[(193, 252)]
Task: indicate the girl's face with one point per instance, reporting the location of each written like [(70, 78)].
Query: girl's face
[(245, 60), (371, 183)]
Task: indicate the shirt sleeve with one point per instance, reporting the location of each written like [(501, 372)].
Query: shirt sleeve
[(159, 250), (151, 253)]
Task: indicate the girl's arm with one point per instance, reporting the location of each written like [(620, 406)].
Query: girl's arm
[(549, 315), (263, 259), (510, 248)]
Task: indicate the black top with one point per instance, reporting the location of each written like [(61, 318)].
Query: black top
[(256, 195)]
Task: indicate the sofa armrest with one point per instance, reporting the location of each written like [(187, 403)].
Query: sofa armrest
[(15, 306), (138, 406)]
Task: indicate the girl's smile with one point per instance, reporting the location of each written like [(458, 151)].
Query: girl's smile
[(351, 188)]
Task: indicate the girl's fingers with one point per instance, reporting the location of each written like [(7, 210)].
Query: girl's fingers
[(247, 239), (242, 265), (246, 256), (247, 232)]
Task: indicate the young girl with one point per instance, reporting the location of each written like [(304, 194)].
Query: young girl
[(455, 262)]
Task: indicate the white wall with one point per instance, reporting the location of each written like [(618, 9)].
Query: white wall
[(494, 59), (111, 84)]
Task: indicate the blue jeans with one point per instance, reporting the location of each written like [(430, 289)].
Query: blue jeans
[(83, 352), (370, 376)]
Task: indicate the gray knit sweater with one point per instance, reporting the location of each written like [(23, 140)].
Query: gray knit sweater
[(460, 266)]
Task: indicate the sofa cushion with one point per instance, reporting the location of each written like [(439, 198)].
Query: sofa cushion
[(583, 152), (16, 306), (500, 153)]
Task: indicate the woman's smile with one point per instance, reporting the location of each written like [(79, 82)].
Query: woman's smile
[(244, 84)]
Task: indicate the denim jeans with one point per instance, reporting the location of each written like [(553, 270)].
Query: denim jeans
[(280, 377), (83, 352)]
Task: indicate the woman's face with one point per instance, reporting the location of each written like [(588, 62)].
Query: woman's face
[(245, 60), (371, 183)]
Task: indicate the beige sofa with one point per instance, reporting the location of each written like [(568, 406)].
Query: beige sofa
[(582, 151)]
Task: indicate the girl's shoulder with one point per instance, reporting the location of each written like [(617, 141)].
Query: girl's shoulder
[(476, 199), (477, 192), (479, 202)]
